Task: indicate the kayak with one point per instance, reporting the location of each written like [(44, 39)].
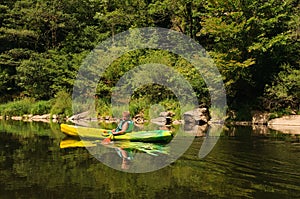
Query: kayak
[(149, 148), (137, 136)]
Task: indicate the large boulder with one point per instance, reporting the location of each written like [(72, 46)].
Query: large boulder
[(159, 121), (196, 130), (197, 116), (165, 118), (290, 120), (79, 116), (286, 124)]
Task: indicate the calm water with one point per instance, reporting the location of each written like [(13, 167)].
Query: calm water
[(243, 164)]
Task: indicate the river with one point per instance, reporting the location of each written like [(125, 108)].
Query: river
[(243, 164)]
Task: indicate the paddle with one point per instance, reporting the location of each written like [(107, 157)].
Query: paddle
[(108, 139)]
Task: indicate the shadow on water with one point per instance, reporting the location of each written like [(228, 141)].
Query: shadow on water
[(242, 164)]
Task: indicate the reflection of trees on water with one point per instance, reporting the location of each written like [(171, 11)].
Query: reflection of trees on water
[(240, 165)]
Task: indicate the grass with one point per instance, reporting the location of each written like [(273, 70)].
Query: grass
[(61, 105), (25, 106), (41, 107), (16, 108)]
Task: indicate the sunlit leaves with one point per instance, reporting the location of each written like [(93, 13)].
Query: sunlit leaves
[(284, 90)]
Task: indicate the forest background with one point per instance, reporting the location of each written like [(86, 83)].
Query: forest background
[(254, 43)]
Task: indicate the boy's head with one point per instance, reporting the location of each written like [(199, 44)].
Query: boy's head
[(126, 115)]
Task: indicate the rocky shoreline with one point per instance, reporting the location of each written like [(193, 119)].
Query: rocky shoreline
[(286, 124)]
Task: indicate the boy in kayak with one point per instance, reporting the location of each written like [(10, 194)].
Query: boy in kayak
[(125, 126)]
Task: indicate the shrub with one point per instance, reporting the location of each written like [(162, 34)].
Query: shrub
[(103, 108), (16, 108), (62, 104), (41, 107)]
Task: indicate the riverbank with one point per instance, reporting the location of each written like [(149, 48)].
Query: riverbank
[(33, 118), (285, 123)]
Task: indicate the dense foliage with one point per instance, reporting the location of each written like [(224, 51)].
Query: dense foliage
[(255, 45)]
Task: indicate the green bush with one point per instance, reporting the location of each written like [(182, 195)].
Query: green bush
[(143, 105), (2, 107), (173, 106), (41, 107), (62, 104), (16, 108), (139, 105), (103, 108)]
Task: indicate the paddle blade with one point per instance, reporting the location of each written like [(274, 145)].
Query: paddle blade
[(106, 140)]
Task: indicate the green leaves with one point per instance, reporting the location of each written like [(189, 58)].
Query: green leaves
[(44, 42), (43, 75), (285, 90), (248, 40)]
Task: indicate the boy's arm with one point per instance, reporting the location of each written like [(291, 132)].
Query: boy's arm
[(124, 128)]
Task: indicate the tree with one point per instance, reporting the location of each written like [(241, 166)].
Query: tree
[(284, 92), (40, 38), (179, 15), (249, 40)]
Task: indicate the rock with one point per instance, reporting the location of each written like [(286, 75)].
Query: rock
[(189, 127), (242, 123), (166, 114), (177, 122), (107, 118), (40, 117), (189, 119), (16, 117), (165, 118), (286, 129), (290, 120), (41, 120), (138, 119), (35, 117), (286, 124), (202, 130), (198, 116), (79, 116), (197, 130), (160, 121), (163, 114), (168, 120), (260, 117)]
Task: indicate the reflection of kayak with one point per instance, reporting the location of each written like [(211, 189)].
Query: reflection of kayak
[(73, 143), (139, 136), (150, 148)]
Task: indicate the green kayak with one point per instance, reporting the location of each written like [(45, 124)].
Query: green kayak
[(138, 136), (149, 148)]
